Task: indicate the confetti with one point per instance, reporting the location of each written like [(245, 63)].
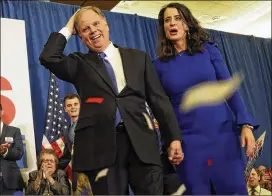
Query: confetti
[(180, 190), (148, 121), (101, 174), (210, 93)]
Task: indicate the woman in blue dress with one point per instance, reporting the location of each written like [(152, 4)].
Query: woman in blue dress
[(212, 150)]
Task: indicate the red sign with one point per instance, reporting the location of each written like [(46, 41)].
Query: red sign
[(7, 105)]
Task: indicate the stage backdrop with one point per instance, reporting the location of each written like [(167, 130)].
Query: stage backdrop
[(248, 54), (15, 88)]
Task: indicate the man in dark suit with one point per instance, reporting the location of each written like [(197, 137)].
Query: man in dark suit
[(11, 150), (72, 107), (113, 143)]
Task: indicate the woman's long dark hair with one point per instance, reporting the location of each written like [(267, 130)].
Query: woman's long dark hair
[(196, 35)]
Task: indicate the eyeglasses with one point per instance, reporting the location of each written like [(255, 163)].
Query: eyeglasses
[(49, 160)]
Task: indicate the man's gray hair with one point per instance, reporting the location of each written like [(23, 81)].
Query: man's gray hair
[(93, 8)]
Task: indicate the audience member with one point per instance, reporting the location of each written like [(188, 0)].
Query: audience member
[(266, 177), (253, 184), (72, 107), (83, 185), (11, 150), (48, 180)]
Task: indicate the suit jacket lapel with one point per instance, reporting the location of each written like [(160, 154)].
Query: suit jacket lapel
[(3, 134), (92, 59)]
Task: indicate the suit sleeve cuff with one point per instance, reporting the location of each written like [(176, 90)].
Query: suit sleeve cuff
[(66, 33)]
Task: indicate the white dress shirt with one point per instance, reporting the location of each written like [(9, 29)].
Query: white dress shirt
[(113, 56), (1, 127), (258, 191)]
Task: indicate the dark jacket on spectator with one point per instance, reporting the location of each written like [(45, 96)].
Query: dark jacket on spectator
[(60, 187)]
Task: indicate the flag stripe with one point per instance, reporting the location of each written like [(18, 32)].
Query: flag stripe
[(68, 170), (57, 149), (61, 144), (45, 143)]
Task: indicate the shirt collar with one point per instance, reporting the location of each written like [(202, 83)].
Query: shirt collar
[(110, 50), (72, 123), (257, 190), (1, 126)]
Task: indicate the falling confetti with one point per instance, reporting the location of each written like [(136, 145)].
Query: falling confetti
[(180, 190), (210, 93), (101, 174), (148, 121)]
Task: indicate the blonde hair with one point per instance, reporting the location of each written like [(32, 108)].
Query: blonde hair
[(83, 9)]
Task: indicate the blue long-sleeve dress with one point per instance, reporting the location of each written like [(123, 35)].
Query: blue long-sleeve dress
[(211, 142)]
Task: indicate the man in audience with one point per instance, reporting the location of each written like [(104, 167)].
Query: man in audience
[(72, 107), (11, 150), (48, 180), (253, 184)]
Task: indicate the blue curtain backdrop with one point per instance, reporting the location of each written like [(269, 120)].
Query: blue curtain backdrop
[(248, 54)]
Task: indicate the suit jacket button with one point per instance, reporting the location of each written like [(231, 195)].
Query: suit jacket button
[(117, 99), (113, 117)]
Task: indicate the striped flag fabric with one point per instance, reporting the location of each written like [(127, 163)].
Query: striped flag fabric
[(55, 124)]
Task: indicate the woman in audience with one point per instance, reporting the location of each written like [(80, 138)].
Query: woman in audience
[(212, 158), (48, 180), (265, 177)]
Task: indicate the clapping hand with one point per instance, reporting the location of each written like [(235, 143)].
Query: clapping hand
[(4, 148), (46, 174)]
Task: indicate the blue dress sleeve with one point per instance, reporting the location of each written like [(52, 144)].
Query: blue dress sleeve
[(235, 102)]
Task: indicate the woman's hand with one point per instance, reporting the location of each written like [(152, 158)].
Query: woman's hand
[(247, 138)]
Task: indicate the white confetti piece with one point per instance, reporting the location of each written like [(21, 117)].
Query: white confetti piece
[(180, 190), (148, 121), (101, 174), (210, 93)]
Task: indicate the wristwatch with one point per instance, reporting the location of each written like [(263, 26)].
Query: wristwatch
[(248, 126)]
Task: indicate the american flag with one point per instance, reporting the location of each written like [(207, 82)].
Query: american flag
[(55, 124), (258, 149)]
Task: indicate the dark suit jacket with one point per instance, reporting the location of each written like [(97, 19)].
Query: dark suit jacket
[(66, 157), (95, 134), (61, 186), (11, 173)]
